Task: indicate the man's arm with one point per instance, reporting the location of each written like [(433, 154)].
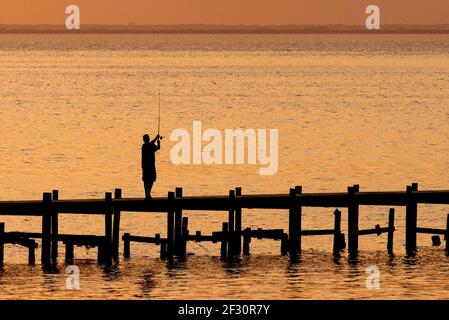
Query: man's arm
[(155, 139)]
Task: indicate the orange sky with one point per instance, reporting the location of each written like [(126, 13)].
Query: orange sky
[(263, 12)]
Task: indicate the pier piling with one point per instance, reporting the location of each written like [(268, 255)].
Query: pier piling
[(337, 232), (184, 235), (294, 223), (353, 222), (46, 229), (390, 231), (178, 225), (224, 240), (446, 236), (238, 224), (2, 243), (126, 246), (231, 224), (54, 228), (411, 219), (116, 226), (170, 224), (106, 248)]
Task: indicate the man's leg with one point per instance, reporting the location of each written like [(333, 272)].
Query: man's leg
[(148, 186)]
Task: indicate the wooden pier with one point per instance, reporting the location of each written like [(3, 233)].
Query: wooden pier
[(233, 237)]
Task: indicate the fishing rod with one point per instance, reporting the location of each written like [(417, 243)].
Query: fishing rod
[(159, 118)]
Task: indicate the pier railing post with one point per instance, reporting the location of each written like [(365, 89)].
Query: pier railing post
[(170, 224), (46, 229), (294, 226), (446, 236), (2, 243), (116, 226), (337, 232), (238, 224), (126, 246), (390, 231), (178, 224), (353, 222), (107, 245), (231, 224), (54, 228), (411, 220)]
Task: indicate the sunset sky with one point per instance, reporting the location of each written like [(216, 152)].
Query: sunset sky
[(261, 12)]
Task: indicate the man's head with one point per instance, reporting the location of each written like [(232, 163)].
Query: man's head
[(146, 138)]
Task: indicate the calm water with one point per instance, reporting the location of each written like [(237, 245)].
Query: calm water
[(372, 110)]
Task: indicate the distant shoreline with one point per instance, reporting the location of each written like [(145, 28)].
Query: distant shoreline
[(212, 29)]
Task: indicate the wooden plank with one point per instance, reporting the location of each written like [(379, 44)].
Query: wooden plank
[(430, 230)]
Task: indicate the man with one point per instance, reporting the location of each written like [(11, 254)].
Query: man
[(149, 149)]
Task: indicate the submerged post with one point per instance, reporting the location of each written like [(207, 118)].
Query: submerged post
[(116, 225), (46, 229), (54, 227), (107, 250), (390, 231), (353, 222), (337, 232), (410, 220), (238, 223), (170, 224), (2, 243), (178, 224)]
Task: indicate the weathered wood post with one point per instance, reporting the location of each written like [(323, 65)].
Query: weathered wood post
[(46, 229), (178, 224), (107, 245), (284, 244), (337, 232), (224, 240), (170, 224), (238, 223), (410, 220), (54, 228), (294, 224), (298, 191), (447, 234), (247, 241), (32, 253), (69, 253), (390, 231), (116, 225), (2, 243), (184, 235), (126, 246), (353, 222), (231, 224)]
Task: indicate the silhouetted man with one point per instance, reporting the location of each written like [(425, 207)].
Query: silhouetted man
[(149, 149)]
